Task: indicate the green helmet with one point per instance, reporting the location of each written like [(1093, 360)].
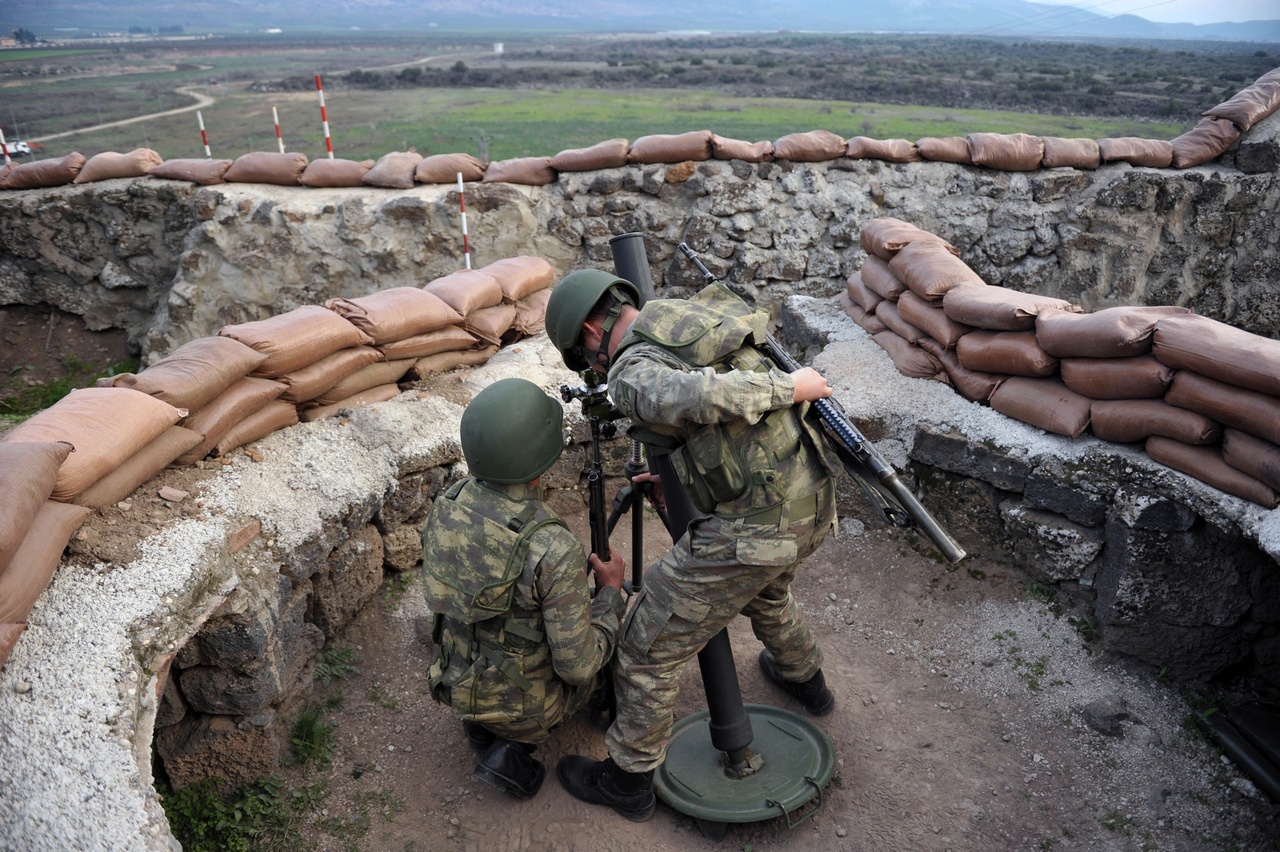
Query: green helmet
[(511, 432), (572, 300)]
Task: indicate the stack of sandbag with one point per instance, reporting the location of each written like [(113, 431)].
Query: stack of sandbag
[(34, 529), (1220, 127), (57, 171), (1201, 396)]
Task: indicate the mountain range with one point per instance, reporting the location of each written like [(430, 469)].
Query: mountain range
[(988, 17)]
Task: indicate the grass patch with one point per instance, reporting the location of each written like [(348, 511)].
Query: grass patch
[(313, 740), (336, 663), (24, 400), (253, 817)]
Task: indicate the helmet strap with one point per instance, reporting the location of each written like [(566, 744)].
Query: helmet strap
[(606, 327)]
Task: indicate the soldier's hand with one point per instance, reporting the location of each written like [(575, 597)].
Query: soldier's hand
[(608, 573), (660, 500), (810, 385)]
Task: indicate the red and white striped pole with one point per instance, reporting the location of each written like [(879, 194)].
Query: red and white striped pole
[(204, 137), (462, 200), (4, 146), (324, 118), (275, 116)]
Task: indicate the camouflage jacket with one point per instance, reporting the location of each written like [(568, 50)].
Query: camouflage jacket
[(515, 621), (691, 379)]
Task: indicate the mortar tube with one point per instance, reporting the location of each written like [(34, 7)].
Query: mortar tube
[(730, 726)]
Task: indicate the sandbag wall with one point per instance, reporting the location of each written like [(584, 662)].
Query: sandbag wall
[(1219, 128), (211, 395), (1201, 396)]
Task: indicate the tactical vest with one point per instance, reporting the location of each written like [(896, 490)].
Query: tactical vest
[(735, 469), (490, 653)]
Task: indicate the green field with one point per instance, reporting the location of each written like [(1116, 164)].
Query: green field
[(367, 124)]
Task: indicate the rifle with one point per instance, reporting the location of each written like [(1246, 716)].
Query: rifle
[(862, 461), (600, 414)]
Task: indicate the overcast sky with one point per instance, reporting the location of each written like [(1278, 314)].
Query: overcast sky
[(1184, 11)]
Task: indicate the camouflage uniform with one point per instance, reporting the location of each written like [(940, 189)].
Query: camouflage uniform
[(689, 377), (520, 645)]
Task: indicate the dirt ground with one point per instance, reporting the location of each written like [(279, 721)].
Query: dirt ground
[(960, 725)]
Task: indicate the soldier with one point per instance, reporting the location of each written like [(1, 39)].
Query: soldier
[(520, 645), (688, 375)]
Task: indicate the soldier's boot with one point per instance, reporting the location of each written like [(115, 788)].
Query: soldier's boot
[(603, 782), (813, 694), (478, 737), (511, 768)]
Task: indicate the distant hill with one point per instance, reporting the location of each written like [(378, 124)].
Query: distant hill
[(984, 17)]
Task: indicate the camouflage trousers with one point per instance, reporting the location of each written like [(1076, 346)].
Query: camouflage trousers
[(564, 702), (720, 568)]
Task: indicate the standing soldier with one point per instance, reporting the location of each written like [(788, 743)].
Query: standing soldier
[(689, 376), (520, 645)]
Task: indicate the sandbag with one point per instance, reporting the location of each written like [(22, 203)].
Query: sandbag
[(442, 361), (421, 345), (889, 150), (336, 172), (36, 559), (1131, 421), (947, 149), (489, 324), (866, 319), (267, 167), (445, 168), (1154, 153), (237, 402), (110, 164), (1070, 153), (314, 379), (531, 313), (1010, 152), (105, 425), (671, 147), (1109, 333), (1219, 351), (887, 313), (140, 467), (1045, 403), (1008, 353), (9, 634), (194, 373), (380, 373), (1208, 140), (879, 278), (609, 154), (811, 146), (295, 339), (58, 171), (521, 276), (381, 393), (1206, 465), (395, 313), (467, 290), (973, 385), (1249, 411), (1254, 456), (204, 172), (526, 171), (28, 472), (859, 292), (723, 148), (930, 318), (1139, 377), (275, 415), (1251, 104), (929, 270), (998, 308), (394, 170), (886, 236), (909, 359)]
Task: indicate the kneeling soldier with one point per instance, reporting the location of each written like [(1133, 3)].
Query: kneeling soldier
[(520, 644)]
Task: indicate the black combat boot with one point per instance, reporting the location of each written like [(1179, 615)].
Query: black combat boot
[(511, 768), (604, 783), (813, 694), (478, 737)]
